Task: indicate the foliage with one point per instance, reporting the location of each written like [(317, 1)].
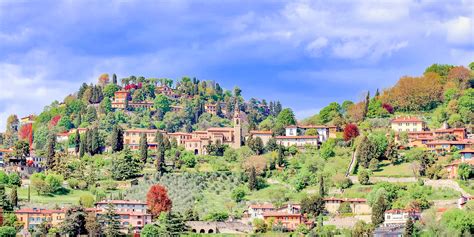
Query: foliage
[(75, 222), (238, 194), (125, 166), (344, 208), (111, 220), (313, 205), (364, 177), (350, 132), (150, 230), (286, 117), (465, 171), (158, 200), (7, 231), (379, 207), (171, 224)]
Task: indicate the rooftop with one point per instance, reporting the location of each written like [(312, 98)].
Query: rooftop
[(406, 119)]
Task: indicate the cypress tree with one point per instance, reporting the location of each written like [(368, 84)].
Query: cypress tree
[(77, 141), (252, 179), (160, 157), (4, 201), (50, 151), (14, 196), (379, 208), (366, 108), (281, 157), (95, 147), (117, 139), (82, 148), (143, 148), (409, 228), (322, 192), (114, 79)]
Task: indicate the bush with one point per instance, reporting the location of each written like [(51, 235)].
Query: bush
[(4, 178), (82, 185), (73, 183), (188, 159), (14, 179), (340, 181), (259, 226), (216, 216), (109, 185), (86, 200), (55, 182), (364, 177), (7, 231), (238, 194), (38, 182)]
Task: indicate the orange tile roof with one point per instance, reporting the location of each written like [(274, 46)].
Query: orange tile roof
[(275, 213), (262, 206), (406, 119), (261, 132), (122, 202), (296, 137), (40, 211)]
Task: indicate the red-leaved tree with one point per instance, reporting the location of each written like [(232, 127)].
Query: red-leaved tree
[(157, 200), (54, 121), (26, 133), (388, 107), (350, 132)]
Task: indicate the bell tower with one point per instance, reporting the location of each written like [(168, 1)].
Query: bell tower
[(237, 127)]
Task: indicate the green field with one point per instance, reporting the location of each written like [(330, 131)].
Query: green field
[(386, 169)]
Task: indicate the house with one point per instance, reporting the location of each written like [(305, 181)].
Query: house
[(210, 108), (257, 210), (452, 168), (358, 205), (226, 136), (132, 213), (176, 108), (289, 221), (141, 104), (264, 135), (131, 137), (62, 137), (467, 154), (398, 217), (439, 146), (463, 200), (180, 137), (407, 124), (165, 90), (458, 133), (27, 119), (298, 141), (31, 217), (121, 98), (323, 132)]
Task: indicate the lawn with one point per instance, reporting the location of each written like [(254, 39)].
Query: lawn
[(386, 169), (275, 192), (357, 191), (71, 198)]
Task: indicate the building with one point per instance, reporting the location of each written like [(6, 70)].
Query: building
[(467, 154), (439, 146), (221, 227), (323, 132), (452, 168), (131, 213), (255, 211), (358, 205), (398, 217), (407, 124), (131, 137), (27, 119), (141, 104), (165, 90), (462, 201), (289, 221), (298, 141), (176, 108), (210, 108), (264, 135), (31, 217), (180, 137), (120, 99), (226, 136)]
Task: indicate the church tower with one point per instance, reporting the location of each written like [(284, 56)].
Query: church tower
[(237, 127)]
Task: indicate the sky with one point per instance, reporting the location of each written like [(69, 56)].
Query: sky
[(304, 53)]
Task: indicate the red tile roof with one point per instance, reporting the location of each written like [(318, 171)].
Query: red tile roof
[(296, 137), (274, 213), (122, 202), (261, 132), (39, 211)]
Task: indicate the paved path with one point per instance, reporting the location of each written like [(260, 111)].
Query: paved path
[(351, 165), (440, 183)]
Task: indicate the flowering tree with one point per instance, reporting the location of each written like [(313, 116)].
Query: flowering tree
[(26, 133), (157, 200), (54, 121), (350, 132)]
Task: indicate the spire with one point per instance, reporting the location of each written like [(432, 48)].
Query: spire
[(237, 110)]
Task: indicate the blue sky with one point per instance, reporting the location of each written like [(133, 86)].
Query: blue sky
[(303, 53)]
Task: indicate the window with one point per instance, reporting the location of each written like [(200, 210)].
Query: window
[(414, 130), (400, 124), (407, 124)]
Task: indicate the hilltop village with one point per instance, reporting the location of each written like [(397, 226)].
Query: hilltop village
[(155, 157)]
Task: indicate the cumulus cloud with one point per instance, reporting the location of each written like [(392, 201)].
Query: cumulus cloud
[(460, 30)]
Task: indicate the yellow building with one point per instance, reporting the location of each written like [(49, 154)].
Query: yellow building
[(30, 217), (407, 124)]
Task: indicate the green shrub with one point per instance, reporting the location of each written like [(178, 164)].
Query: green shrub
[(86, 200), (82, 185), (14, 179), (344, 208), (54, 181), (4, 178), (109, 185), (73, 183)]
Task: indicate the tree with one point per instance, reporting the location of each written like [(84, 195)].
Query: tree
[(322, 192), (252, 178), (82, 147), (77, 141), (350, 132), (440, 69), (366, 151), (364, 177), (160, 157), (271, 145), (14, 196), (238, 194), (162, 102), (91, 114), (379, 207), (143, 148), (92, 225), (257, 146), (116, 139), (362, 229), (281, 157), (7, 231), (327, 149), (366, 104), (26, 133), (14, 179), (409, 228), (111, 221), (74, 223), (21, 151), (391, 153), (313, 205), (50, 152), (150, 230), (374, 164), (286, 117), (54, 181), (125, 166), (4, 200), (171, 224), (329, 112), (464, 171), (157, 200)]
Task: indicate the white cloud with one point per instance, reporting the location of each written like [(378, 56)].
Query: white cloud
[(316, 46), (460, 31)]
